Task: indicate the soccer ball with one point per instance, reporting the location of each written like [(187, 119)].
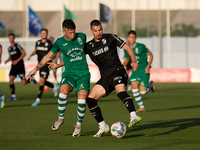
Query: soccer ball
[(118, 129)]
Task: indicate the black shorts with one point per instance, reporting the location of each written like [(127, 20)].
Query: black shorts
[(44, 71), (17, 70), (110, 81)]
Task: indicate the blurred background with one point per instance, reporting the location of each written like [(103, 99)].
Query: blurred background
[(169, 28)]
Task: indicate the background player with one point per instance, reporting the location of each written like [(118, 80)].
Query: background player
[(140, 77), (102, 50), (16, 55), (2, 97), (76, 74), (42, 47)]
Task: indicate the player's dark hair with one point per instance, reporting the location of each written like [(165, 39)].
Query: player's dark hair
[(43, 29), (68, 24), (131, 32), (11, 34), (95, 23)]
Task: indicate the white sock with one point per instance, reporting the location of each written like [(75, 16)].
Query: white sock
[(38, 100), (102, 124), (133, 114)]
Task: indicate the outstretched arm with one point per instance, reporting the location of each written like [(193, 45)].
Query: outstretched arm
[(44, 60), (134, 63)]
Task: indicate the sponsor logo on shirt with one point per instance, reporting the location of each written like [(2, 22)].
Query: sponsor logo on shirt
[(65, 44), (75, 54), (104, 41), (46, 44), (42, 48), (100, 51), (80, 41), (13, 52)]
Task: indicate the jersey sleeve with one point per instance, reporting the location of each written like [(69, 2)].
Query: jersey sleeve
[(19, 47), (55, 47), (126, 55), (119, 42), (145, 49)]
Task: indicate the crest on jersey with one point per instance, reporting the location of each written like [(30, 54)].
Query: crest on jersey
[(136, 50), (14, 47), (38, 43), (80, 41), (104, 41), (46, 44)]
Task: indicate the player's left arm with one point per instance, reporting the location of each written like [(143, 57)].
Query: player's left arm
[(147, 69), (134, 63), (23, 54), (44, 60)]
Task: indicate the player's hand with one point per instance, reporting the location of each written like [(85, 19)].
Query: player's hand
[(29, 58), (14, 62), (31, 75), (147, 70), (135, 65), (0, 60), (53, 65)]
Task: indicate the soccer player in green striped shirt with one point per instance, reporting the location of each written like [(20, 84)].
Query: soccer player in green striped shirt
[(76, 74), (139, 79)]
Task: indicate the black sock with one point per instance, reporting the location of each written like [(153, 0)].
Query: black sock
[(40, 92), (12, 89), (94, 109), (49, 84), (127, 100)]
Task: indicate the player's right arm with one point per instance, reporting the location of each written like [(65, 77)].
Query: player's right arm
[(33, 53), (9, 58), (44, 60)]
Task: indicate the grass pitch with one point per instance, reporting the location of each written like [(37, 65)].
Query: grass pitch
[(171, 121)]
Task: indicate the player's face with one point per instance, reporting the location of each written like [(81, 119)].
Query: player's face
[(11, 39), (43, 34), (97, 32), (131, 39), (69, 33)]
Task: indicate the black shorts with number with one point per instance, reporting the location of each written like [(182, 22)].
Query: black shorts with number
[(17, 70), (44, 71), (110, 81)]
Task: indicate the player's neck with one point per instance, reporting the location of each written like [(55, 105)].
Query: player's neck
[(133, 44), (44, 40), (12, 44)]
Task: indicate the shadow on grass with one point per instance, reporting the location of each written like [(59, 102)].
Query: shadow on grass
[(176, 108), (178, 125)]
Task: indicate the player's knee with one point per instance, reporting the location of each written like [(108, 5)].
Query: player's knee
[(143, 92), (91, 102)]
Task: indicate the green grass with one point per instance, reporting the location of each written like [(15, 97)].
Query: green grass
[(171, 121)]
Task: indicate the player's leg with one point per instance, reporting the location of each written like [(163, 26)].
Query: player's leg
[(82, 89), (65, 89), (120, 81), (136, 93), (2, 103), (40, 91), (97, 92), (12, 87)]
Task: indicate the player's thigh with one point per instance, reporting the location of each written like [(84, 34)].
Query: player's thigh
[(97, 92), (65, 89), (135, 84), (44, 72), (82, 83), (144, 80), (69, 81)]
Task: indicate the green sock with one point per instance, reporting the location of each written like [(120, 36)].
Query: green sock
[(62, 104)]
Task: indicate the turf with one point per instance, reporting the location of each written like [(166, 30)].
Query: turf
[(171, 121)]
